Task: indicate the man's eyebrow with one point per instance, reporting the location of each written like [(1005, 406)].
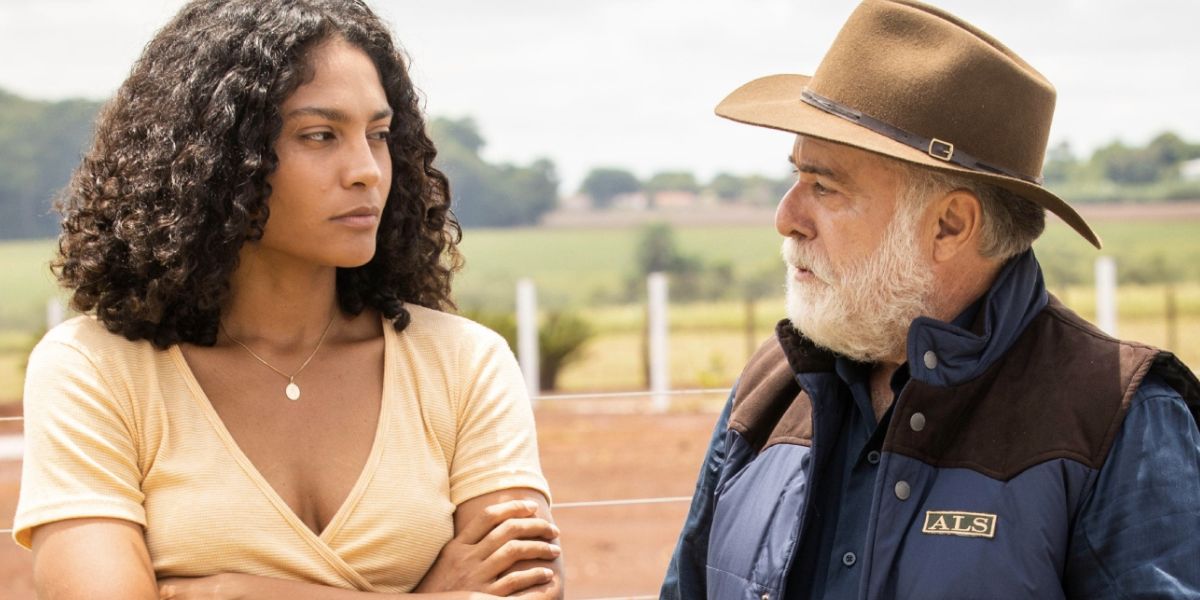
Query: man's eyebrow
[(814, 169), (334, 114)]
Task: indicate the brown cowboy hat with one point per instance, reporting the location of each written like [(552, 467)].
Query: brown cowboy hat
[(915, 83)]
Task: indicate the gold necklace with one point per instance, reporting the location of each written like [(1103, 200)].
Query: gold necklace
[(292, 391)]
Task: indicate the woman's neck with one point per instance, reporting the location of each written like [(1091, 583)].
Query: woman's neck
[(278, 301)]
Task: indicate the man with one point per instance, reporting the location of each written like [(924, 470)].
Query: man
[(930, 423)]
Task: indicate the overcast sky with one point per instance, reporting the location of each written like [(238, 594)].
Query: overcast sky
[(632, 83)]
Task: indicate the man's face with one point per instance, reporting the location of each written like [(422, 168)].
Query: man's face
[(857, 274)]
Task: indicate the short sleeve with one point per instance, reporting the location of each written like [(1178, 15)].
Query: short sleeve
[(80, 450), (496, 445)]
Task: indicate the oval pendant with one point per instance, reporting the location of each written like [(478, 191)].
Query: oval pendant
[(293, 391)]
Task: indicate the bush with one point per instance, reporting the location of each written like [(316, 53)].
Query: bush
[(562, 336)]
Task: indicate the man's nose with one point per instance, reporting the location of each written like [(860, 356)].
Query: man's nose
[(791, 217)]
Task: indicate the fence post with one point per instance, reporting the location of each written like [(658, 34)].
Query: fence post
[(1172, 319), (1106, 295), (656, 292), (751, 325), (55, 313), (527, 337)]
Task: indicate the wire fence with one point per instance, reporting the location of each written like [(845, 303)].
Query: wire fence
[(630, 395), (584, 504)]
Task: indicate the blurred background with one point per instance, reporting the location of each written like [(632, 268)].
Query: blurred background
[(583, 155)]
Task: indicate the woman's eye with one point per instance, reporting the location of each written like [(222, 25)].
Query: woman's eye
[(381, 136), (319, 136)]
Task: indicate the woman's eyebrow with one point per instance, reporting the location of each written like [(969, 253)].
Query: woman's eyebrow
[(334, 114)]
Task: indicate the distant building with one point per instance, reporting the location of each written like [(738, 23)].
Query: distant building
[(675, 199), (1190, 170), (631, 201), (575, 202)]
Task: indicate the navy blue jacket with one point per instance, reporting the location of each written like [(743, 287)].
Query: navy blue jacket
[(1034, 457)]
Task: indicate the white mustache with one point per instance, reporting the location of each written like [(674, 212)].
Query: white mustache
[(799, 256)]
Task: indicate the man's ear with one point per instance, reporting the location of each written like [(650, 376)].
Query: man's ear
[(959, 221)]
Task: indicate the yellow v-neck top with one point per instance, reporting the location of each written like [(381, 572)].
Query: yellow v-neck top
[(118, 429)]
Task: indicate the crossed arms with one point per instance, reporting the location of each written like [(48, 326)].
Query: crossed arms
[(504, 545)]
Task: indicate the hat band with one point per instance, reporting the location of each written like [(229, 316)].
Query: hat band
[(939, 149)]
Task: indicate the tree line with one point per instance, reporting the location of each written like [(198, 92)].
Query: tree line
[(604, 186), (41, 143), (1166, 168)]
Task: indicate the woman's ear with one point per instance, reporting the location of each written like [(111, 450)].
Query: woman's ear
[(959, 221)]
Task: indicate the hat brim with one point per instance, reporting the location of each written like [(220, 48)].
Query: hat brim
[(774, 102)]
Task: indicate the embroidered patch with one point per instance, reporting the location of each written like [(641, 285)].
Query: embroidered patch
[(965, 524)]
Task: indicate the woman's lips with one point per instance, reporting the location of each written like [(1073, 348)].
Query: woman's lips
[(359, 218), (357, 221)]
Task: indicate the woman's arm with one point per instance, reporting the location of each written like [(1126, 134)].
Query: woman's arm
[(88, 559), (500, 537), (236, 586), (107, 558), (504, 546)]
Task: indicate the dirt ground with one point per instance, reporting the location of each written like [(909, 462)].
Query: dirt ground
[(610, 552)]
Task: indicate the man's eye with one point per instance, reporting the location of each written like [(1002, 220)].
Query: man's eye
[(381, 136), (319, 136), (820, 190)]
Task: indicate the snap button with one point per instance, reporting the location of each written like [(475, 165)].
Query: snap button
[(902, 490), (849, 559), (873, 457), (930, 359), (766, 596), (917, 422)]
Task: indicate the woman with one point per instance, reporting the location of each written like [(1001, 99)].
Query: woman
[(264, 399)]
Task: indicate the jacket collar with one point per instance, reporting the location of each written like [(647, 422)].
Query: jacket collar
[(947, 354)]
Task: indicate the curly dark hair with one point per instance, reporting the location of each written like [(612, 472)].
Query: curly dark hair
[(175, 180)]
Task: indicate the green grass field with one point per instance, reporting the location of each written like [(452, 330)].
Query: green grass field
[(714, 358), (585, 269), (580, 267), (25, 284), (577, 267)]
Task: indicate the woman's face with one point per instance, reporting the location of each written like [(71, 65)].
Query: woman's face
[(334, 172)]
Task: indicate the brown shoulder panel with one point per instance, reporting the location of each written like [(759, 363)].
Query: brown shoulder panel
[(1061, 391), (769, 406)]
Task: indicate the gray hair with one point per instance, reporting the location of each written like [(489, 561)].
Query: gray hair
[(1010, 223)]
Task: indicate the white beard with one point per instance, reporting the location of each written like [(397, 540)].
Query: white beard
[(865, 311)]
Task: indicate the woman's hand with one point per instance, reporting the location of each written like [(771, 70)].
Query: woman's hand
[(481, 557)]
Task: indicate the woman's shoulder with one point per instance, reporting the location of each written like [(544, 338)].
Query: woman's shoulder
[(86, 335), (428, 322)]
